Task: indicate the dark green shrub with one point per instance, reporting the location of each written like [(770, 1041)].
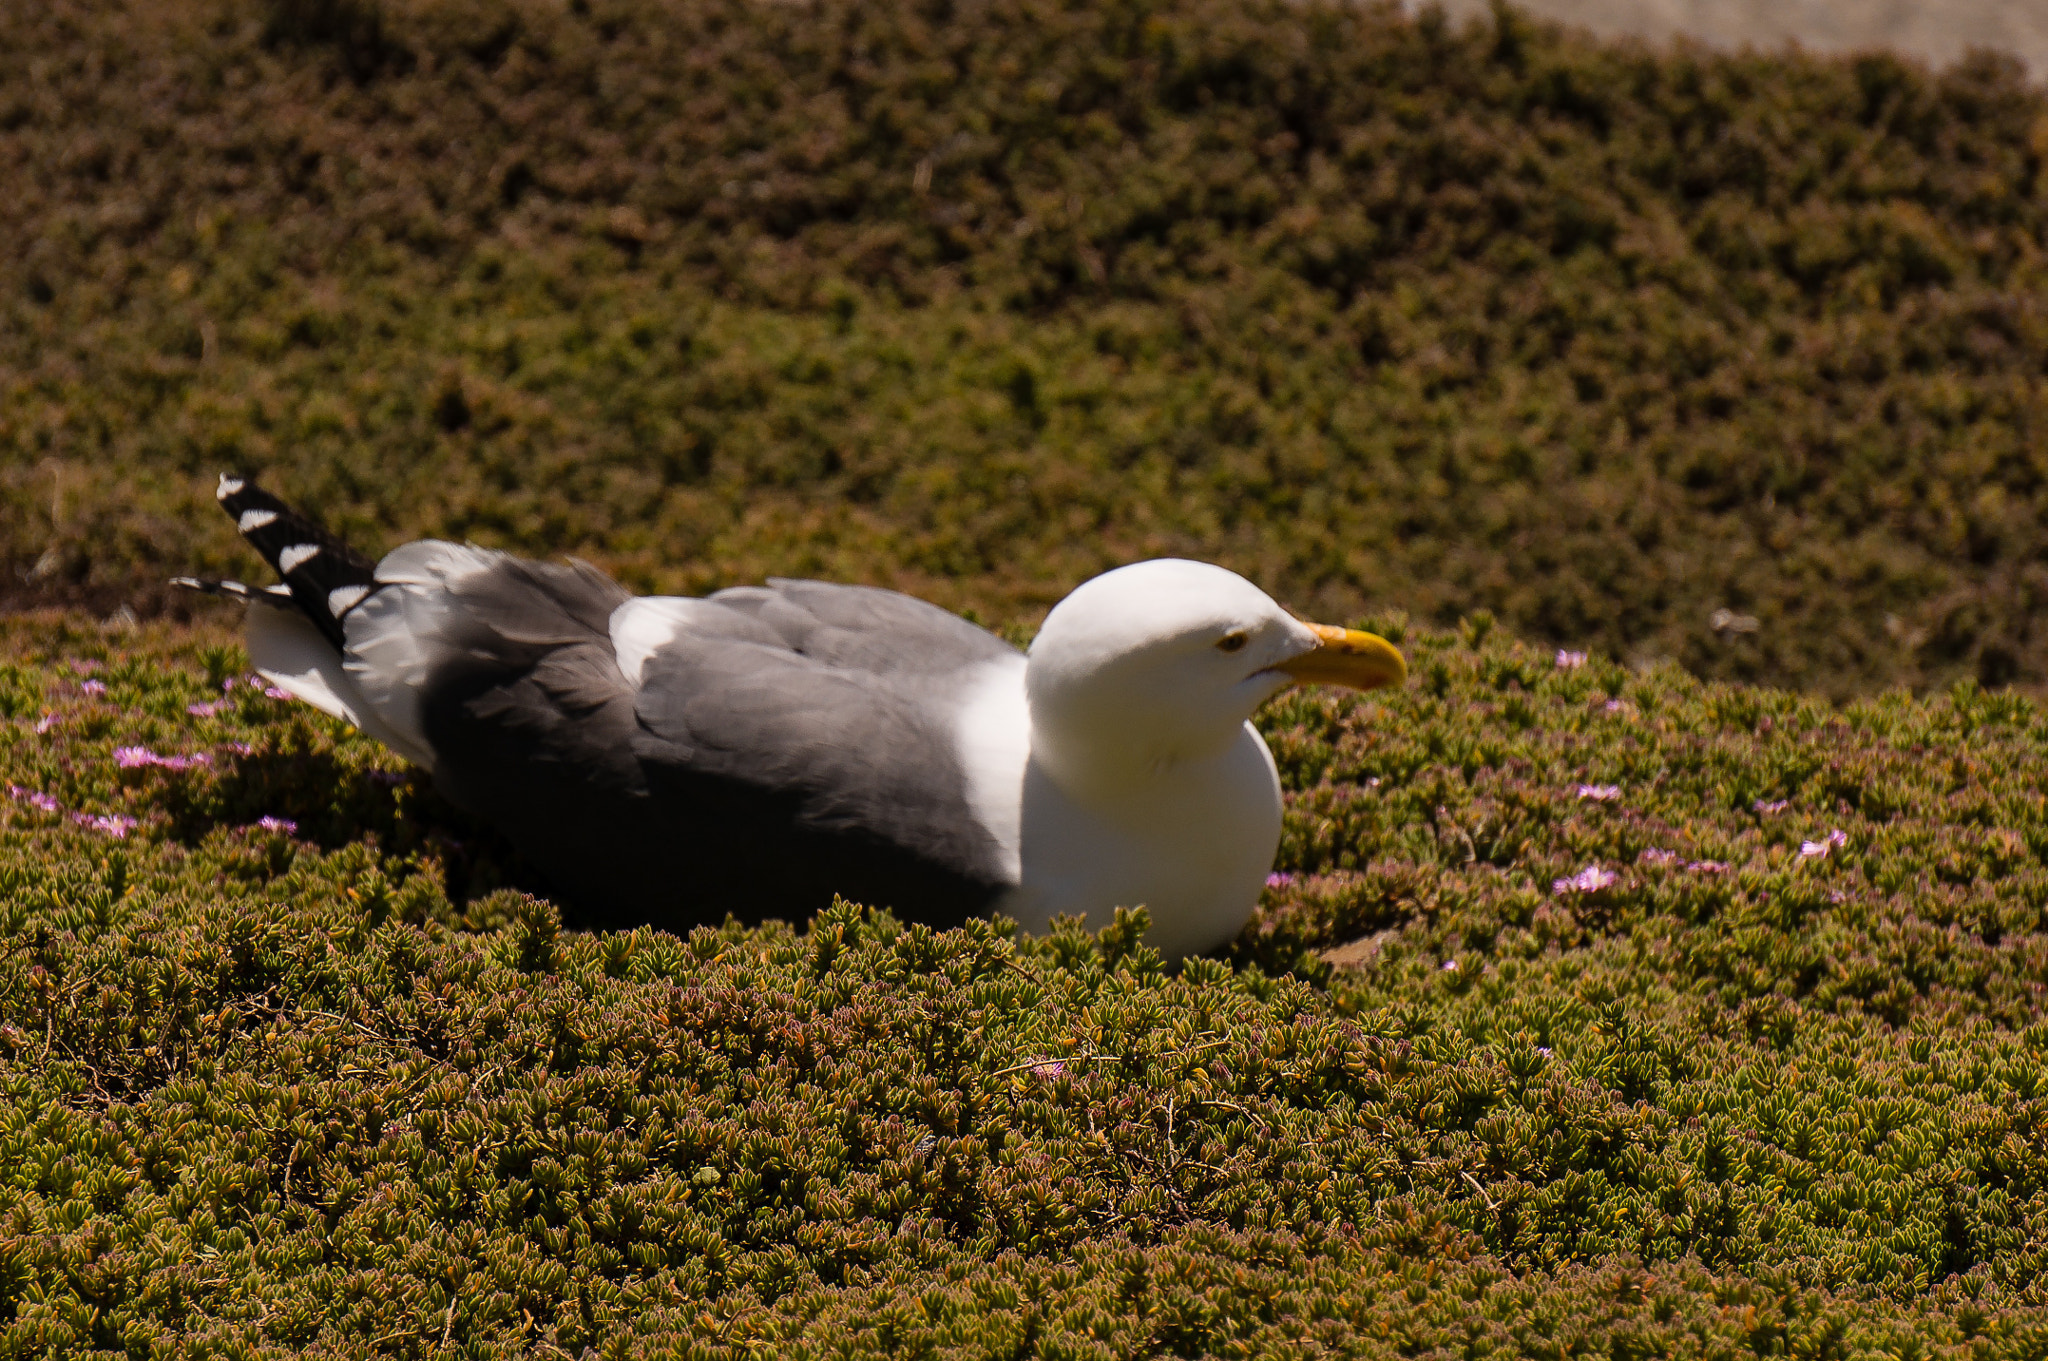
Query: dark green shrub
[(1729, 359)]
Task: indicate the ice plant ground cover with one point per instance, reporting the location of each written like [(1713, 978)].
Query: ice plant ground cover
[(292, 1065)]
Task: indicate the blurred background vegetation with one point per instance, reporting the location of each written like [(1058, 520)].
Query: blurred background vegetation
[(1735, 360)]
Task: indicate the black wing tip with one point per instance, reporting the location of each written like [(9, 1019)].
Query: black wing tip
[(321, 572)]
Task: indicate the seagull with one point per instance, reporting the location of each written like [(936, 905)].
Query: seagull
[(758, 751)]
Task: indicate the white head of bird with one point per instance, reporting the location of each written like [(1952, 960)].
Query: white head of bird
[(1150, 667)]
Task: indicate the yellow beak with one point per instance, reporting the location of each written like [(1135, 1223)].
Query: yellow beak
[(1349, 657)]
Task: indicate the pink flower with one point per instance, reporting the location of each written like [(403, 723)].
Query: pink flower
[(128, 758), (1049, 1069), (115, 825), (285, 825), (1450, 966), (272, 692), (93, 687), (205, 710), (1588, 880), (1599, 793), (1814, 850), (1768, 806), (239, 749), (1657, 856), (35, 799), (1706, 867), (46, 722), (1570, 661), (1279, 880), (1618, 706)]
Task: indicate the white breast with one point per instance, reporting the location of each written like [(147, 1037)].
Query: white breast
[(1192, 844)]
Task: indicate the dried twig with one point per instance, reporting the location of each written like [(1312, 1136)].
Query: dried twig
[(1073, 1058)]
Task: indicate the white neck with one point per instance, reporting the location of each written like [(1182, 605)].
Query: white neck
[(1108, 769)]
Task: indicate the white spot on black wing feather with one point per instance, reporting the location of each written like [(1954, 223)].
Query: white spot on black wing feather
[(293, 558), (342, 599)]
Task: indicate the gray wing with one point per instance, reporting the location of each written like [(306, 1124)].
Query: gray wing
[(789, 742), (859, 755), (862, 628)]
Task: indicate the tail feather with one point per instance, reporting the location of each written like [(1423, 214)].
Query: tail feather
[(322, 575)]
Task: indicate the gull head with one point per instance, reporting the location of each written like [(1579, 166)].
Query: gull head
[(1160, 663)]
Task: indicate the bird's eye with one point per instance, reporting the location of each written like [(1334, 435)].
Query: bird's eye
[(1233, 641)]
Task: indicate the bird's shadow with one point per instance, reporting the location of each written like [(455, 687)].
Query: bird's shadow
[(317, 794), (252, 806)]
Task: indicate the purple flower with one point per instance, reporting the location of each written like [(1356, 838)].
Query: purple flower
[(35, 798), (1450, 966), (1279, 880), (1618, 706), (1599, 793), (285, 825), (1769, 806), (1706, 866), (115, 825), (272, 692), (46, 722), (1657, 856), (1814, 850), (93, 687), (239, 749), (1049, 1069), (1570, 661), (128, 758), (1588, 880), (205, 710), (1544, 1050)]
